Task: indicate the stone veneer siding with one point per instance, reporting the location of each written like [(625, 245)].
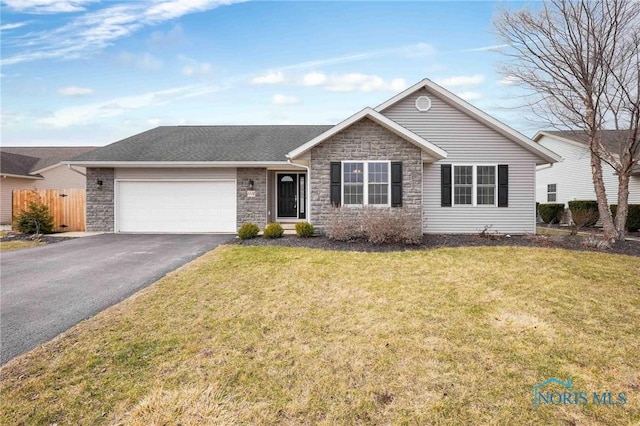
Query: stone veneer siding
[(365, 141), (252, 209), (100, 200)]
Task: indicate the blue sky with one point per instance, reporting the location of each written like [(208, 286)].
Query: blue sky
[(90, 72)]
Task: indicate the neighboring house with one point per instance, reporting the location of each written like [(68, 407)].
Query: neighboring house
[(454, 167), (37, 168), (571, 177)]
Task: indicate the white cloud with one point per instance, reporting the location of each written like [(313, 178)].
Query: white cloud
[(47, 6), (155, 122), (418, 50), (353, 82), (145, 62), (75, 91), (509, 80), (462, 80), (90, 32), (411, 50), (314, 79), (470, 96), (492, 48), (88, 113), (284, 100), (13, 26), (173, 37), (193, 68), (197, 69), (272, 77), (170, 9)]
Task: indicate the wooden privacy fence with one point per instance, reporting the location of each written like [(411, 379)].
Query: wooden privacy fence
[(65, 205)]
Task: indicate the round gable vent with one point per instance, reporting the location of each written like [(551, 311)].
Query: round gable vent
[(423, 103)]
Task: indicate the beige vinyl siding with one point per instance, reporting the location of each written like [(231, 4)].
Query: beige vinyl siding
[(573, 178), (177, 173), (7, 185), (468, 141), (61, 177)]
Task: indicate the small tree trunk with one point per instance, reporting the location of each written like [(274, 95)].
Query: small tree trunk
[(609, 229), (623, 206)]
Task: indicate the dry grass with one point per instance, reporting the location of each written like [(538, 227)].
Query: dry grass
[(18, 245), (541, 230), (266, 335)]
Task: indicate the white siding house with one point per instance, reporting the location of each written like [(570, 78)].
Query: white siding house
[(571, 178)]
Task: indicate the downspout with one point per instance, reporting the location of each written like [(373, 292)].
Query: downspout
[(307, 190)]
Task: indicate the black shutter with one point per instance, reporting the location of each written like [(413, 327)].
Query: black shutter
[(503, 185), (336, 183), (396, 184), (445, 185)]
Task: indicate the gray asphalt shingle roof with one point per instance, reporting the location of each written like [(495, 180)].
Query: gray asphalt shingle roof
[(16, 164), (611, 139), (18, 160), (208, 143)]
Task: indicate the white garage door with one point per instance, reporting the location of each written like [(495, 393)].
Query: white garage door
[(176, 206)]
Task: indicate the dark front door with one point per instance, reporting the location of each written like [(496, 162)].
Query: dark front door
[(287, 195)]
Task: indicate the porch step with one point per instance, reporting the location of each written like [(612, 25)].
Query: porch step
[(288, 226)]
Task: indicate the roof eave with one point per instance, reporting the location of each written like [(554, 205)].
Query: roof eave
[(6, 175), (52, 166), (174, 164)]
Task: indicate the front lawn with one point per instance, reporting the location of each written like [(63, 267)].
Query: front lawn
[(18, 245), (273, 335)]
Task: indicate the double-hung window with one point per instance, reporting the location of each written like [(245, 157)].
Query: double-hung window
[(486, 188), (552, 193), (463, 185), (366, 183), (474, 185)]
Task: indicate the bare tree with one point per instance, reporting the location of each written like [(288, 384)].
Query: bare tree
[(580, 63)]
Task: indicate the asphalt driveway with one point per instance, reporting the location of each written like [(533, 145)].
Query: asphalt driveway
[(46, 290)]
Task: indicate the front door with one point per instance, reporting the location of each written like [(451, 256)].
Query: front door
[(287, 195)]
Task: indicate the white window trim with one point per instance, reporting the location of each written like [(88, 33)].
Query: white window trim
[(554, 193), (474, 185), (365, 182)]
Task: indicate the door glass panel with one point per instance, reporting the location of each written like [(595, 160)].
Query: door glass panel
[(303, 200)]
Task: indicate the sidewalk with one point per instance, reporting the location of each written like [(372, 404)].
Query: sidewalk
[(77, 234)]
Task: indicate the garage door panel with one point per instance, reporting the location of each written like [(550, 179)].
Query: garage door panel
[(176, 206)]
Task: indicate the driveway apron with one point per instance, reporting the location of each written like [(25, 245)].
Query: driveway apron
[(46, 290)]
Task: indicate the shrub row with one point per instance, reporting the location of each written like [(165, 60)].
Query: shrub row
[(250, 230), (550, 212), (380, 226), (585, 213), (633, 216)]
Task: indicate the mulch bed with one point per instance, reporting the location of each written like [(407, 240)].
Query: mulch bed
[(17, 236), (631, 248)]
